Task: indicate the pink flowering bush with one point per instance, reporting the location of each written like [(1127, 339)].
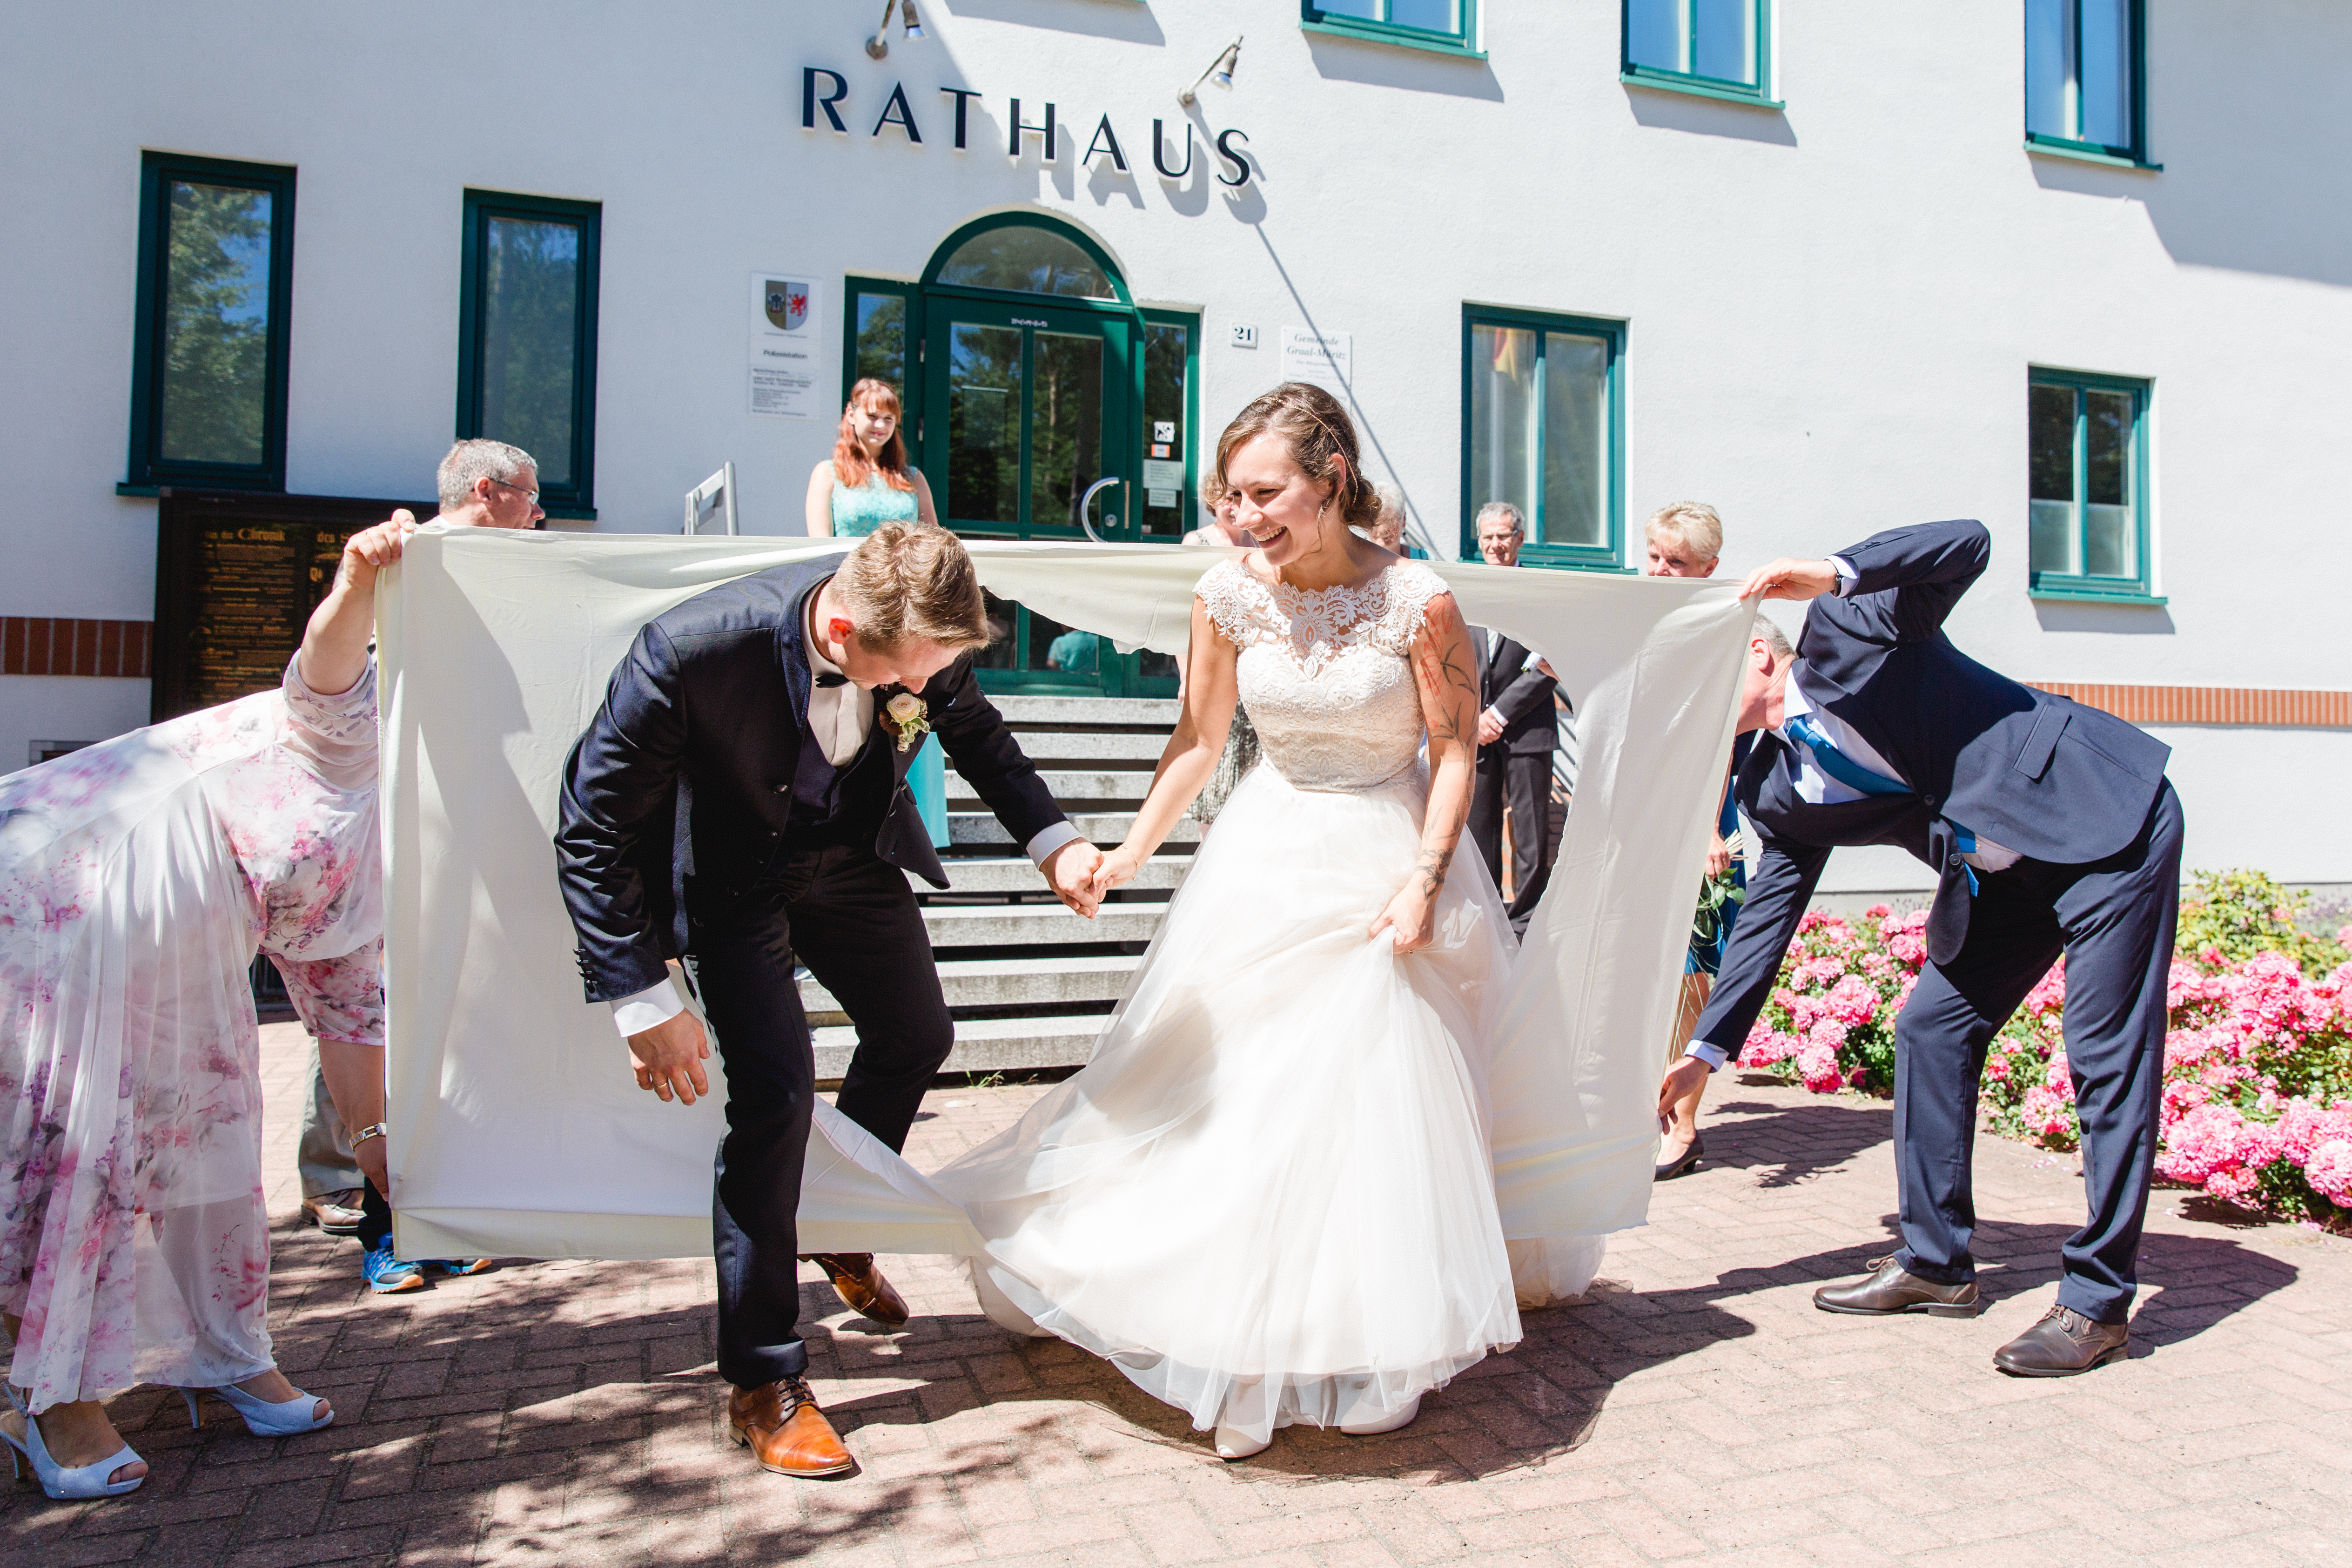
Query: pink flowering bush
[(2257, 1100)]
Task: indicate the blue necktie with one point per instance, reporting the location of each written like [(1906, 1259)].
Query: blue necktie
[(1854, 775), (1840, 766)]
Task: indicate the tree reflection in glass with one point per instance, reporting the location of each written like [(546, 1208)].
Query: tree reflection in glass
[(216, 389), (531, 303)]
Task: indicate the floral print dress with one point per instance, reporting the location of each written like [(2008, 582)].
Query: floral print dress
[(138, 878)]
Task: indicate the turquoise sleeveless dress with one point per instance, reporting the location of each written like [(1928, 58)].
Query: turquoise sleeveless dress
[(856, 514)]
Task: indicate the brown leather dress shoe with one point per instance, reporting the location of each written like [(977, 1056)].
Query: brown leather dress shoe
[(861, 1286), (1890, 1289), (2062, 1344), (785, 1431)]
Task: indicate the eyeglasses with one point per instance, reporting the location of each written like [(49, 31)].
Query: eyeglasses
[(530, 496)]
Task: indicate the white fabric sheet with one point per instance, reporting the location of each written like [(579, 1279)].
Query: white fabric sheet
[(517, 1129)]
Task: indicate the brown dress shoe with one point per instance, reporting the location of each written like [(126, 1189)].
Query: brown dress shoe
[(785, 1431), (1890, 1289), (861, 1286), (2062, 1344)]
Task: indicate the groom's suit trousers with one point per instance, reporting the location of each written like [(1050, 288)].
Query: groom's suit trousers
[(853, 920), (2114, 920)]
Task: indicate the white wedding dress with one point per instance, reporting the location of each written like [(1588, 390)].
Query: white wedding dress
[(1269, 1197)]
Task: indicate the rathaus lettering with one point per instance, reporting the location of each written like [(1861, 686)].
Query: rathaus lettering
[(826, 93)]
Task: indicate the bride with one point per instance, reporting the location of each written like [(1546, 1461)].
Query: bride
[(1268, 1198)]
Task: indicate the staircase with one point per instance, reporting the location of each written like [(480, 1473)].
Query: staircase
[(1028, 982)]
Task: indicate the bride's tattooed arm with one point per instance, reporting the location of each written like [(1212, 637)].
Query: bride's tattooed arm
[(1445, 675)]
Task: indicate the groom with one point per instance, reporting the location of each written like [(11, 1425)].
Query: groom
[(2052, 829), (741, 798)]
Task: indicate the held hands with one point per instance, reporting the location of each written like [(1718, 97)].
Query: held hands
[(1073, 871), (668, 1058), (1116, 869), (1790, 579), (1681, 1079)]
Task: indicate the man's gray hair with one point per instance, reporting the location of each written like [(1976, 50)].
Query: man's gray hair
[(479, 458), (1774, 638), (1500, 508)]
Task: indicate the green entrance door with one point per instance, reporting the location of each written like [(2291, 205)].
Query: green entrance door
[(1027, 405)]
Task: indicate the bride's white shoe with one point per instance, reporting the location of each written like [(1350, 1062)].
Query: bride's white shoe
[(1232, 1445), (1384, 1424)]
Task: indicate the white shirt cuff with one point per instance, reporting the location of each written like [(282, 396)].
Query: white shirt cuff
[(1529, 662), (1051, 839), (1846, 574), (656, 1003), (1713, 1055)]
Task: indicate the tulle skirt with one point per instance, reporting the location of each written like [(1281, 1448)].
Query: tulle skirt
[(1268, 1198)]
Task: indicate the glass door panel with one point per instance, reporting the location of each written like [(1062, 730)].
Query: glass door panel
[(1066, 424), (983, 425)]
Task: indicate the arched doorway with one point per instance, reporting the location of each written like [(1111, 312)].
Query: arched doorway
[(1029, 374)]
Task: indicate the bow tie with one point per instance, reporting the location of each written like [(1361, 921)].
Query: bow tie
[(831, 678)]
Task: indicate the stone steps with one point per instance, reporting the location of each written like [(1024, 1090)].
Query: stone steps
[(1104, 827), (1037, 925), (1137, 749), (1039, 982), (984, 1045), (1088, 714), (1071, 787), (1019, 874)]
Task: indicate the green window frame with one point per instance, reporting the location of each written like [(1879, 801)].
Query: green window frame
[(1162, 524), (2086, 79), (559, 423), (2088, 486), (1485, 447), (882, 336), (1446, 27), (1691, 45), (207, 389)]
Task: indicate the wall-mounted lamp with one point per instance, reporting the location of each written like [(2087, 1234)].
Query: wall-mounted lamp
[(879, 44), (1219, 71)]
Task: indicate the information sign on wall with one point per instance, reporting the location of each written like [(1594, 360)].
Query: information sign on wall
[(1326, 359), (236, 580), (784, 327)]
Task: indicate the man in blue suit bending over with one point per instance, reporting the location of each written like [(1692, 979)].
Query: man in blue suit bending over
[(2052, 829)]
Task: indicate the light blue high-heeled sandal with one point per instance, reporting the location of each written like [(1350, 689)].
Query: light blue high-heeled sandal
[(265, 1418), (76, 1484)]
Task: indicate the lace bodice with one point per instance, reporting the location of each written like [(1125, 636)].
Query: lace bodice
[(1323, 671)]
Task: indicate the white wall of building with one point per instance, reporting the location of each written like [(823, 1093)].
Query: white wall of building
[(1829, 311)]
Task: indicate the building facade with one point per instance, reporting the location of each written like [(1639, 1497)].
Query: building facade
[(2081, 268)]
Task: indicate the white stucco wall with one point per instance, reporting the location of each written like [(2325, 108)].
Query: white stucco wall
[(1829, 311)]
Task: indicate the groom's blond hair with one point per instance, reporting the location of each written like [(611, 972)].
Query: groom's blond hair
[(907, 581)]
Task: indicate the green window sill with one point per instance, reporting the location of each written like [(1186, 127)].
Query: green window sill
[(1365, 32), (2078, 152), (2070, 594), (228, 486), (1698, 86), (1545, 557)]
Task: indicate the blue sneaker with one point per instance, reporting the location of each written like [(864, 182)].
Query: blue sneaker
[(459, 1267), (385, 1274)]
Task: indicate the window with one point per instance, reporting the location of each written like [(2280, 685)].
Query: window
[(1021, 259), (1450, 27), (208, 366), (878, 339), (1720, 48), (526, 338), (1542, 428), (1171, 397), (2087, 439), (2083, 76)]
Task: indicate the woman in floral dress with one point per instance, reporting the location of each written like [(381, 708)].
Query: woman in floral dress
[(138, 878)]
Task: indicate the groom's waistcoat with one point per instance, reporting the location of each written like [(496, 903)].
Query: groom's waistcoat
[(698, 775)]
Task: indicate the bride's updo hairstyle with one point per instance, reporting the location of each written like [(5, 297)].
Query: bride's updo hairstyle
[(1313, 430)]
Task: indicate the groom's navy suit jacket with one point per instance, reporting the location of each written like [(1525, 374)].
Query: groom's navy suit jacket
[(2028, 769), (690, 782)]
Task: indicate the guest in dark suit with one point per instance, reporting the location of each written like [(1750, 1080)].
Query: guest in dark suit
[(2052, 829), (741, 798), (1517, 730)]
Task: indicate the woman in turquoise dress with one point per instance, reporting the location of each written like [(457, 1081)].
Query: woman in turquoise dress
[(865, 483)]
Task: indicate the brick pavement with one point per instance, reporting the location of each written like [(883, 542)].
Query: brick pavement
[(1695, 1408)]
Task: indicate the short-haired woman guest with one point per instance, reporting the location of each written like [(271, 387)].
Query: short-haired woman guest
[(137, 878), (865, 483), (1388, 528), (1685, 540)]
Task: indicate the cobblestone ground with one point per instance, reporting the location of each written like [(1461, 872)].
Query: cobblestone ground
[(1695, 1407)]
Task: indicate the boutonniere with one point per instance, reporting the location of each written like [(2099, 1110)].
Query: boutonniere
[(910, 716)]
